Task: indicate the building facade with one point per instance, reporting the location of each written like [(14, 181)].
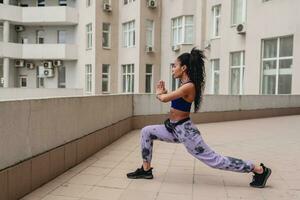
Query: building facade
[(126, 46)]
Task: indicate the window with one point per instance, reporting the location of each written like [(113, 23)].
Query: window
[(61, 77), (277, 60), (182, 30), (40, 37), (215, 76), (88, 78), (149, 32), (41, 3), (129, 34), (88, 3), (216, 21), (61, 37), (106, 35), (23, 81), (148, 82), (1, 74), (1, 31), (89, 36), (174, 82), (128, 77), (105, 78), (237, 70), (238, 12), (62, 2), (128, 1)]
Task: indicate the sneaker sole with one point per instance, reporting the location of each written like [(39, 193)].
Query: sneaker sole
[(264, 183), (140, 177)]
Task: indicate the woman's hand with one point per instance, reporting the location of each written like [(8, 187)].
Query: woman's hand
[(160, 88)]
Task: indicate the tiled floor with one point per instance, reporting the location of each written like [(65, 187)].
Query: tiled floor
[(178, 176)]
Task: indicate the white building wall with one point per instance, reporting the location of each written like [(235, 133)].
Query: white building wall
[(264, 20), (129, 12)]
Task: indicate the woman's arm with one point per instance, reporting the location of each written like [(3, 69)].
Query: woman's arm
[(166, 97)]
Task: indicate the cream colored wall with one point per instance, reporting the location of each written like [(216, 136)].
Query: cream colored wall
[(264, 20), (150, 58), (107, 56), (127, 13)]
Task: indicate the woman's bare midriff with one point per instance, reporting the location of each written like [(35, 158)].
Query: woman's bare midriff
[(176, 115)]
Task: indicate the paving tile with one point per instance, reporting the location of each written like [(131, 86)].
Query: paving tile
[(71, 190), (138, 195), (85, 179), (170, 196), (113, 182), (102, 193)]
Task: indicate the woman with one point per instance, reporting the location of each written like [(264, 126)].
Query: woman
[(189, 68)]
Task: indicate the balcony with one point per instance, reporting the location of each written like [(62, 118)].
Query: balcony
[(52, 15), (38, 51)]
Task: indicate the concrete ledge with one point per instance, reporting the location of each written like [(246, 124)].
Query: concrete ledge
[(22, 178), (207, 117)]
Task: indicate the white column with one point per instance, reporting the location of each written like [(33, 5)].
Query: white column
[(6, 60), (6, 31), (6, 2), (6, 72)]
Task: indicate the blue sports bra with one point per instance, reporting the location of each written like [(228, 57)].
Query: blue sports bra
[(181, 104)]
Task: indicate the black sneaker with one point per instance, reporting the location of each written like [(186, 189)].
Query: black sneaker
[(141, 173), (260, 180)]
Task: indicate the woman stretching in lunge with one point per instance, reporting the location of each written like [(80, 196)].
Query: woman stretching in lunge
[(189, 68)]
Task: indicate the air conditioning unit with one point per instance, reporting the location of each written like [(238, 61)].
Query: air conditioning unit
[(57, 63), (19, 28), (151, 3), (175, 48), (48, 64), (45, 72), (241, 29), (107, 7), (30, 65), (207, 44), (48, 73), (19, 63), (149, 49)]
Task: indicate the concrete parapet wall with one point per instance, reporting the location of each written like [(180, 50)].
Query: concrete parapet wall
[(31, 127), (146, 104), (42, 138)]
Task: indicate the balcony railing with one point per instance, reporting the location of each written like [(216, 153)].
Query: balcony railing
[(55, 15), (38, 51)]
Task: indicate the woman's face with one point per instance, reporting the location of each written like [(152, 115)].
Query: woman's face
[(177, 70)]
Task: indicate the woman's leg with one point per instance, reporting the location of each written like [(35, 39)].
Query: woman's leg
[(150, 133), (189, 135)]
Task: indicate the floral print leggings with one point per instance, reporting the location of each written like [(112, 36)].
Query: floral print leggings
[(188, 134)]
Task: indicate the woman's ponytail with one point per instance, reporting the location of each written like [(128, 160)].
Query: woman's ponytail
[(196, 72)]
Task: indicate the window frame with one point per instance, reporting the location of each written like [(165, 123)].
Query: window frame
[(129, 78), (277, 59), (213, 73), (88, 79), (108, 78), (183, 26), (20, 81), (128, 33), (215, 19), (108, 32), (151, 78), (89, 36), (242, 68), (244, 13), (150, 30)]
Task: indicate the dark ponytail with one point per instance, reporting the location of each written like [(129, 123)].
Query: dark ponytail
[(196, 72)]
